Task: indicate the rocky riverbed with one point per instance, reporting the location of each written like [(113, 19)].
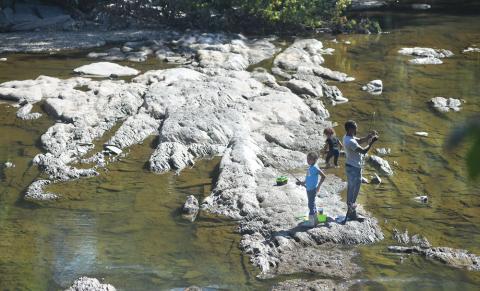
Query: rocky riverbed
[(260, 104), (212, 106)]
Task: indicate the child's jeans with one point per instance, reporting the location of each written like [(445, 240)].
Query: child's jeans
[(312, 194), (333, 153)]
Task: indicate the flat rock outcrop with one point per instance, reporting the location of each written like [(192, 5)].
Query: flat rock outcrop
[(106, 69)]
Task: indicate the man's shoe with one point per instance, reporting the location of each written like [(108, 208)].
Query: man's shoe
[(357, 217)]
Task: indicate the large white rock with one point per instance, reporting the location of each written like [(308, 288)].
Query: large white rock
[(426, 56), (106, 69)]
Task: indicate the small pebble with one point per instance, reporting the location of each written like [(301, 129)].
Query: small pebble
[(421, 133), (423, 198)]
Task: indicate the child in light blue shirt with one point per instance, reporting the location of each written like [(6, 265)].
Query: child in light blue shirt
[(312, 185)]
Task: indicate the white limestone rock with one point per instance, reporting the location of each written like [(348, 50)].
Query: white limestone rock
[(106, 69), (374, 87), (442, 104)]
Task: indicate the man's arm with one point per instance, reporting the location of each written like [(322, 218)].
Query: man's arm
[(365, 139), (364, 150)]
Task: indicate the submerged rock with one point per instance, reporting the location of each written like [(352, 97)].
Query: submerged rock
[(442, 104), (374, 87), (106, 69), (381, 165), (190, 208), (457, 258), (24, 112), (35, 191), (367, 4), (383, 151), (471, 50), (89, 284), (421, 6), (426, 61), (306, 285)]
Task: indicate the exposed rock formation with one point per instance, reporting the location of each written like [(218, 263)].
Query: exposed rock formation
[(381, 165), (374, 87), (426, 56), (190, 208), (89, 284), (442, 104), (106, 69), (213, 108), (35, 191)]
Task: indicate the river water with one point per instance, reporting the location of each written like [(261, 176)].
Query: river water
[(124, 226)]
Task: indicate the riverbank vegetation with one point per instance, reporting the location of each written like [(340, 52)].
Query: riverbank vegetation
[(232, 15)]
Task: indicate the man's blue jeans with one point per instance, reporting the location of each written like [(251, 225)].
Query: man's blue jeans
[(312, 194), (354, 180)]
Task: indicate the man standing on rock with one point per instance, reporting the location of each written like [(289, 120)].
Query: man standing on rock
[(354, 162)]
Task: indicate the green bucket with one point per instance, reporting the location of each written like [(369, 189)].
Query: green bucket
[(282, 180), (322, 218)]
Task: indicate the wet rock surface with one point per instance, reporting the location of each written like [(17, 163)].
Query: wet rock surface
[(35, 191), (374, 87), (442, 104), (367, 4), (313, 285), (190, 208), (381, 165), (301, 64), (417, 244), (426, 56), (89, 284)]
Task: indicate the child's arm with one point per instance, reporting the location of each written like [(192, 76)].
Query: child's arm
[(340, 143), (322, 179)]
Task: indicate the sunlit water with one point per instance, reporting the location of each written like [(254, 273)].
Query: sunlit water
[(452, 215), (124, 226)]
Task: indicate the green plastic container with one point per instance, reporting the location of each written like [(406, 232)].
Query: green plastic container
[(282, 180), (322, 218)]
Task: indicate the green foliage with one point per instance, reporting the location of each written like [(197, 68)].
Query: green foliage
[(470, 130), (276, 14)]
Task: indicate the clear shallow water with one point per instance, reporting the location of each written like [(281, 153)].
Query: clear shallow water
[(452, 215), (124, 225)]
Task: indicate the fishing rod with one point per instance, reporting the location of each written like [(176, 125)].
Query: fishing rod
[(277, 165)]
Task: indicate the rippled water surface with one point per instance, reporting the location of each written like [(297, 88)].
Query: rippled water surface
[(452, 215), (124, 225)]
